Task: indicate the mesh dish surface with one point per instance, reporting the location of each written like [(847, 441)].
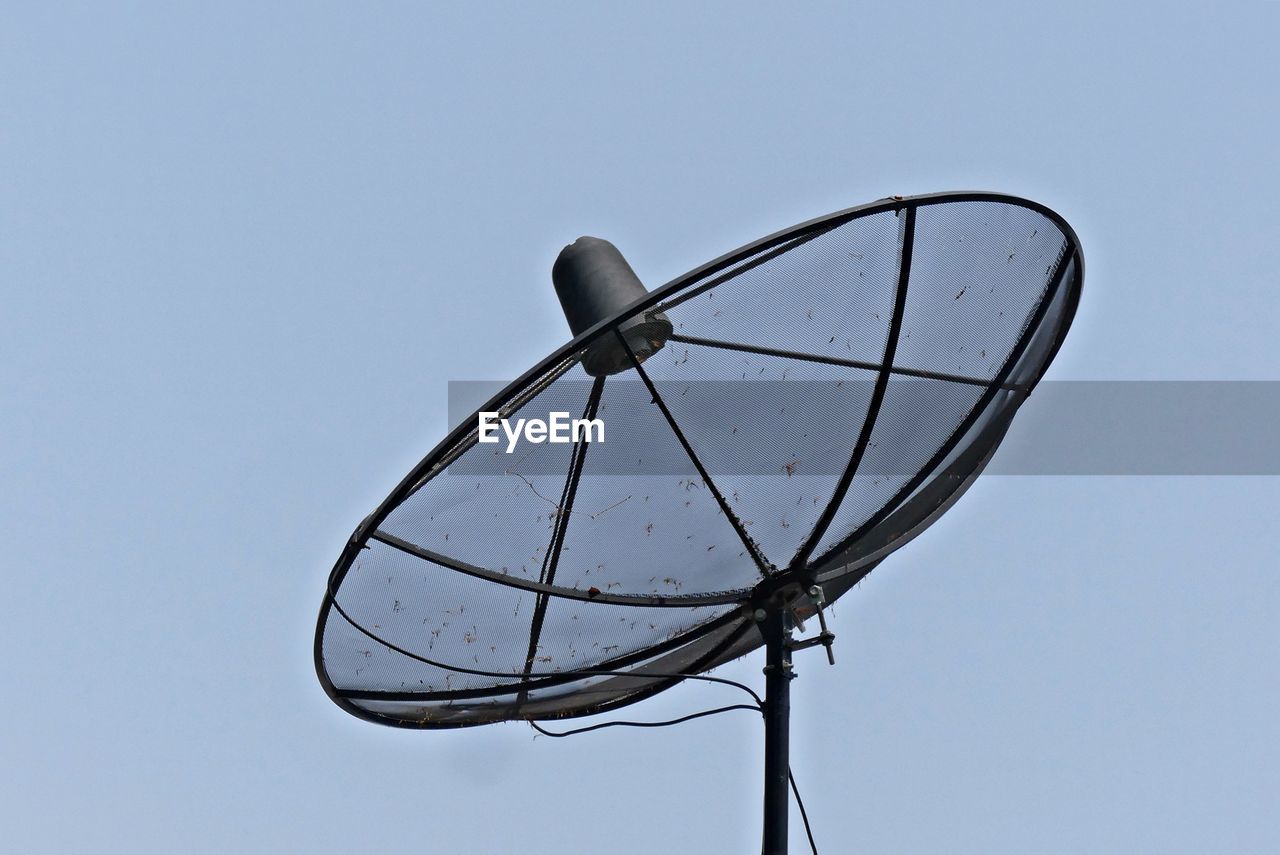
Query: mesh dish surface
[(826, 393)]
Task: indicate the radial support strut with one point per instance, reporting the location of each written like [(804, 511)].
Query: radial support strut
[(776, 628)]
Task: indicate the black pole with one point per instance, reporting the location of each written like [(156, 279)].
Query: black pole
[(776, 628)]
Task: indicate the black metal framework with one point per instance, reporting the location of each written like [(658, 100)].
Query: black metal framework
[(560, 524), (1056, 274), (730, 627), (738, 527), (883, 373), (832, 360)]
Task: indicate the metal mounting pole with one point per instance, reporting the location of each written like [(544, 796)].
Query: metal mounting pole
[(776, 628)]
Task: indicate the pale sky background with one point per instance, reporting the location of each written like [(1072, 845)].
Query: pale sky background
[(243, 250)]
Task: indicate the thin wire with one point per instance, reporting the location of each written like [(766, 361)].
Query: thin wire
[(799, 803), (795, 789), (603, 725)]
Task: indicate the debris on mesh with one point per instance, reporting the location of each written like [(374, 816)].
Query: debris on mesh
[(820, 399)]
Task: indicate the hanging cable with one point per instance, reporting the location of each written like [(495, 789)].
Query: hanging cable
[(758, 706), (680, 720), (803, 815), (795, 789)]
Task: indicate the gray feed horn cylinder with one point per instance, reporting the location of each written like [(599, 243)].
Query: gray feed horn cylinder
[(594, 282)]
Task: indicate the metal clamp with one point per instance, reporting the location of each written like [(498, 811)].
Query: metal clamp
[(826, 637)]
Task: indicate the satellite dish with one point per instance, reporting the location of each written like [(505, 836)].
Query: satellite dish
[(774, 423)]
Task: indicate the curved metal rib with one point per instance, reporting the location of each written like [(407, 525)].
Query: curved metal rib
[(877, 396), (686, 601)]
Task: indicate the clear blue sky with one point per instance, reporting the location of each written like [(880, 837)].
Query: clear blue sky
[(244, 250)]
